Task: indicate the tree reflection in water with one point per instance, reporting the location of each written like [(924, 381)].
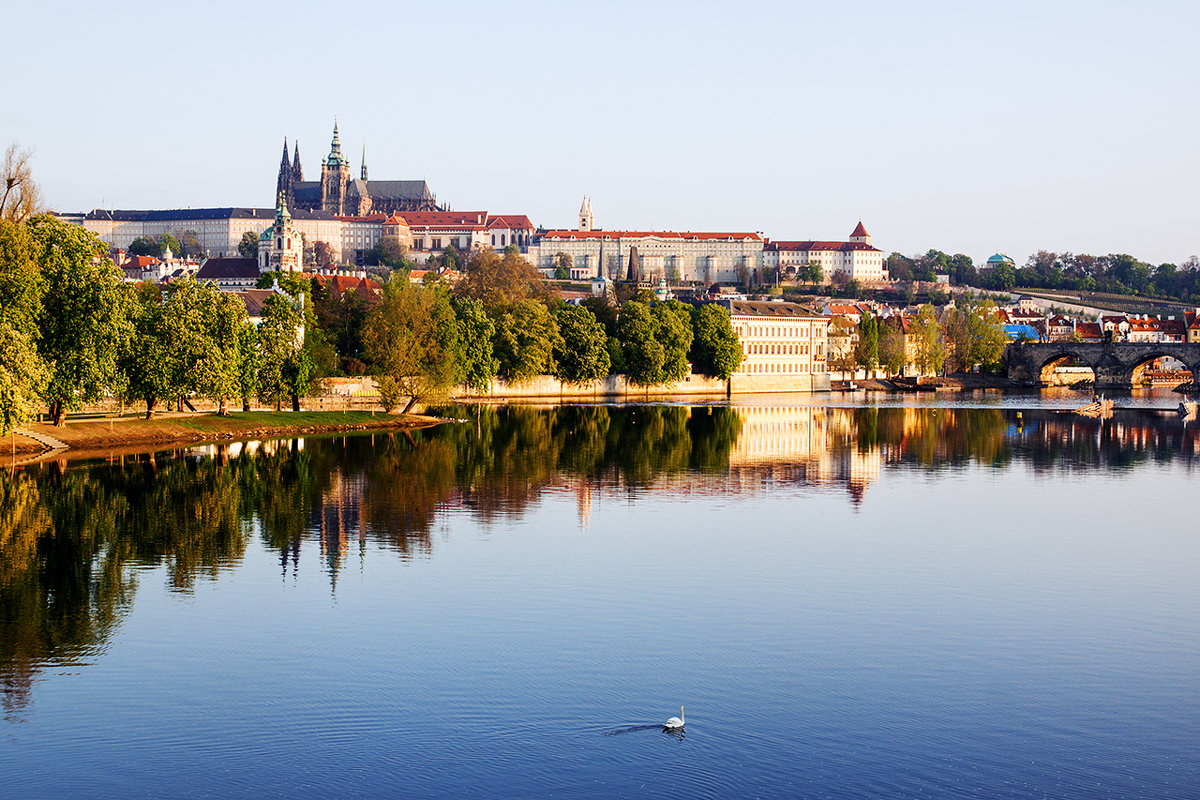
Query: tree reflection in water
[(74, 537)]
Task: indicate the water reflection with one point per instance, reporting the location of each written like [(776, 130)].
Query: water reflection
[(76, 537)]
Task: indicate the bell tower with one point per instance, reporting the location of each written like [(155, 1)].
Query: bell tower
[(586, 222), (335, 174)]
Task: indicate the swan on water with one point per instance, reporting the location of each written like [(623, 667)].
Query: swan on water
[(675, 722)]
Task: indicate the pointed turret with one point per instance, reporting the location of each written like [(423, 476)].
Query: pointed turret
[(364, 163), (297, 173), (860, 234)]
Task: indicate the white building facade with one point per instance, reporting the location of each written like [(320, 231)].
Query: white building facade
[(695, 257), (855, 258)]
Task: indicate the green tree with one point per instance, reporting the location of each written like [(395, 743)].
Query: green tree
[(391, 252), (144, 246), (167, 242), (562, 266), (641, 352), (281, 366), (893, 356), (674, 333), (83, 324), (716, 351), (866, 350), (930, 353), (526, 339), (582, 354), (23, 377), (411, 338), (248, 246), (475, 359), (20, 278), (974, 335), (190, 245)]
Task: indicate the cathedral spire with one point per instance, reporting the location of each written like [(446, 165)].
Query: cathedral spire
[(364, 163), (283, 184), (297, 173), (335, 157)]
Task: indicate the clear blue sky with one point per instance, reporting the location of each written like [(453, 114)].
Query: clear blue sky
[(969, 127)]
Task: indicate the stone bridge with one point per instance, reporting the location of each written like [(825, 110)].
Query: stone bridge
[(1118, 365)]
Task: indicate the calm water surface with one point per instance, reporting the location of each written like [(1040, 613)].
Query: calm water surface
[(907, 601)]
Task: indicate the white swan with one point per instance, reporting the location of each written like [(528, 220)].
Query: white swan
[(675, 722)]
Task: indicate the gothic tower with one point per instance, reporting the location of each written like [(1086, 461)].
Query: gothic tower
[(297, 173), (364, 163), (335, 174), (283, 184)]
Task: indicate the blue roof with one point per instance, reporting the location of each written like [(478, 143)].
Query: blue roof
[(1017, 331)]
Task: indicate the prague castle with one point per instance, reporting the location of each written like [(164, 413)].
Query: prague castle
[(339, 194)]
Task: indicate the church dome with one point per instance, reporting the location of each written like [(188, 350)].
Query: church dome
[(1000, 258)]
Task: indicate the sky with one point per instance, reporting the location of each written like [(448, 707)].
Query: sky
[(967, 127)]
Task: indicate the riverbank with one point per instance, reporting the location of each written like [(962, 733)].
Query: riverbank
[(172, 429)]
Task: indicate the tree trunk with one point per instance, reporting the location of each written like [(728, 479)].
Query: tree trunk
[(412, 402), (151, 402), (245, 404), (295, 402), (58, 413), (222, 411)]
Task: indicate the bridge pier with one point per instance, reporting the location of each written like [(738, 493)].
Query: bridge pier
[(1111, 373)]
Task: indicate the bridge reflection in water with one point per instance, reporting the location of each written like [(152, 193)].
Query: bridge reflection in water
[(75, 537)]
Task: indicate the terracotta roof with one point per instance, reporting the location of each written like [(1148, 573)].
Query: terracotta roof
[(139, 262), (1089, 330), (859, 230), (340, 284), (686, 235), (253, 300), (510, 221), (395, 219), (445, 218)]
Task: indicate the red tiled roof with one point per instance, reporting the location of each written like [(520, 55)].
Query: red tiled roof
[(685, 235), (510, 221), (1089, 330), (446, 218), (859, 230)]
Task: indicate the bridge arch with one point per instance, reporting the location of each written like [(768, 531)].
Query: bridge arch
[(1136, 366), (1046, 372)]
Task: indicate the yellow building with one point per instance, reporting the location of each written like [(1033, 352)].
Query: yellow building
[(784, 347)]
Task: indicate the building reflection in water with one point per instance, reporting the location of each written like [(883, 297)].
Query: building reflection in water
[(76, 537)]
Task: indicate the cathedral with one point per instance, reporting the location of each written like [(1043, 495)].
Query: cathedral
[(343, 196)]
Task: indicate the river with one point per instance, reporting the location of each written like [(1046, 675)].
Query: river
[(897, 597)]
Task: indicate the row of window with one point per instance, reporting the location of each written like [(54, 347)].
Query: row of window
[(773, 330), (780, 349)]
